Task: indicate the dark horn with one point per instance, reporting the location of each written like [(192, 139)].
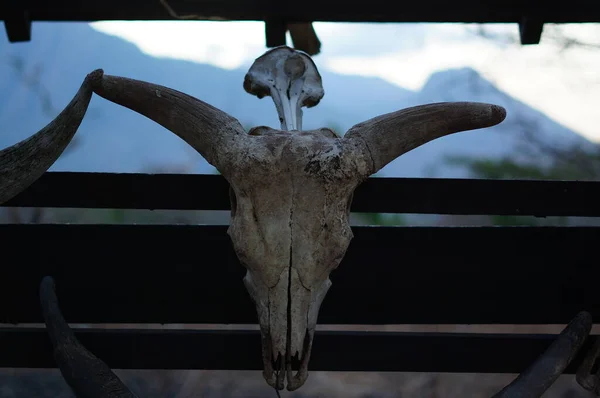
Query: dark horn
[(87, 375), (534, 381)]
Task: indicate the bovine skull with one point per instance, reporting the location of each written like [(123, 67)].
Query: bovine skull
[(290, 189)]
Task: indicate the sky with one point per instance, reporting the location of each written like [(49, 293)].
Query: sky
[(563, 83)]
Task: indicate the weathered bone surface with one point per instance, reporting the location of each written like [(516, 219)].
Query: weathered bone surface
[(289, 77), (290, 189), (89, 377)]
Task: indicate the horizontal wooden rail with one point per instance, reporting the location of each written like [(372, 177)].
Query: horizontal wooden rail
[(312, 10), (390, 275), (377, 195), (332, 351)]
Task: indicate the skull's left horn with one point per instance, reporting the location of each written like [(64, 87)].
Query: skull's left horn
[(87, 375)]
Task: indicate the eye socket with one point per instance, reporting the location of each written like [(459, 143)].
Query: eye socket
[(327, 132), (232, 201), (258, 130)]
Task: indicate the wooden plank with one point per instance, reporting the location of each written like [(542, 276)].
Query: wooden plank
[(379, 195), (316, 10), (530, 30), (18, 26), (332, 351), (390, 275), (126, 191), (275, 33)]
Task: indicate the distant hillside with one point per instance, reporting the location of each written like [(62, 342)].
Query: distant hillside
[(114, 139)]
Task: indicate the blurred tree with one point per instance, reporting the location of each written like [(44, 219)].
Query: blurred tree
[(571, 162), (536, 158), (558, 35)]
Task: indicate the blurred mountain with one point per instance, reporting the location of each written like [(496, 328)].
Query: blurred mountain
[(39, 78)]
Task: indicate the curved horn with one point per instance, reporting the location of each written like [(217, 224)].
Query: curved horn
[(210, 131), (588, 373), (547, 368), (25, 162), (388, 136), (88, 376)]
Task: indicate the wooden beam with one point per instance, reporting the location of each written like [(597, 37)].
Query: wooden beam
[(379, 195), (390, 275), (18, 26), (332, 351), (317, 10), (530, 30), (275, 33)]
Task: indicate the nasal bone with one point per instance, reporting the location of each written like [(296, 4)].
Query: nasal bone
[(290, 113), (289, 321), (287, 107)]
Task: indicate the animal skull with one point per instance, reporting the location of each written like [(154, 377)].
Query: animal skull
[(290, 189)]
